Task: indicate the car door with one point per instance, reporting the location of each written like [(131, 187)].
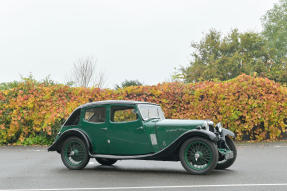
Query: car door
[(95, 124), (126, 132)]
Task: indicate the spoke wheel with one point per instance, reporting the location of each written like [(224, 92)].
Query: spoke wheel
[(198, 155), (105, 161), (223, 164), (74, 153)]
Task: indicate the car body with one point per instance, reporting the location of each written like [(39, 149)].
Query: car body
[(114, 130)]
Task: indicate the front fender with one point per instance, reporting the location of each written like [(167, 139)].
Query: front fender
[(227, 132), (56, 146), (199, 132), (170, 153)]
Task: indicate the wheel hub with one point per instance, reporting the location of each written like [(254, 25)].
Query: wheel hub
[(74, 152), (197, 155)]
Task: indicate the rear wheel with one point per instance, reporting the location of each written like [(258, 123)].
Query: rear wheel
[(223, 164), (74, 153), (198, 155), (105, 161)]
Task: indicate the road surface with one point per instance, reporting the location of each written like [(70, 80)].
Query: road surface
[(258, 167)]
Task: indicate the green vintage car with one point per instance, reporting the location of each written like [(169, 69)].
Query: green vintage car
[(117, 130)]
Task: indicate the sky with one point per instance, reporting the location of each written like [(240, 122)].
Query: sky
[(129, 39)]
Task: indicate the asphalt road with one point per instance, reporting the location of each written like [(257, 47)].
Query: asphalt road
[(258, 167)]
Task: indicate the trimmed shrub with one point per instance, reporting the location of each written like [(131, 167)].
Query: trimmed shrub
[(254, 108)]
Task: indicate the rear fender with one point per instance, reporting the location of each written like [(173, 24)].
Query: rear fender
[(56, 146)]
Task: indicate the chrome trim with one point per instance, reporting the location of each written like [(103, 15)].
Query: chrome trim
[(153, 139), (139, 128), (120, 157)]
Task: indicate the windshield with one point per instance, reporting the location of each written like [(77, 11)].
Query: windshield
[(150, 111)]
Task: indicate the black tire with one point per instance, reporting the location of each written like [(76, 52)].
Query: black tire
[(227, 163), (198, 155), (105, 161), (74, 153)]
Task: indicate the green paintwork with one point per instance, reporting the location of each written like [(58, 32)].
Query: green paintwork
[(169, 129), (97, 132), (150, 129), (128, 138), (131, 138)]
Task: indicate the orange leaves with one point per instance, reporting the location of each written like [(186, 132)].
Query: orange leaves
[(2, 126), (255, 108)]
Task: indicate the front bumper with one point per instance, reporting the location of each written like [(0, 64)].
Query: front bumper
[(224, 151), (226, 154)]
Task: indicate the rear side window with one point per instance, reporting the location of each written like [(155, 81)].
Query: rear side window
[(123, 114), (96, 115), (74, 118)]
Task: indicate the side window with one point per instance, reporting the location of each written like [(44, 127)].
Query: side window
[(74, 118), (123, 114), (96, 115)]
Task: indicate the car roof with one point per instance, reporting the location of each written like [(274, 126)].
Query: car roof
[(105, 102)]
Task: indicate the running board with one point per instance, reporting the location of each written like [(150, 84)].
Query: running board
[(118, 157)]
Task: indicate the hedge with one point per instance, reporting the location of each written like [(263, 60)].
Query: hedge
[(254, 108)]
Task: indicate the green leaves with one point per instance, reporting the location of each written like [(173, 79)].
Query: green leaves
[(218, 57), (223, 57), (254, 108), (275, 30), (128, 83)]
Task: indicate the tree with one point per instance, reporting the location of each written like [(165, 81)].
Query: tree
[(84, 74), (275, 30), (218, 57), (128, 83)]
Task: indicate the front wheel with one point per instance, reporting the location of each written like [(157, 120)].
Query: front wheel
[(74, 153), (198, 155), (227, 163), (105, 161)]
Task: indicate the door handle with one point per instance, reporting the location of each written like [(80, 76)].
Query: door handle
[(105, 128), (139, 128)]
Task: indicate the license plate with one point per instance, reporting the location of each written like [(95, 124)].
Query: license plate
[(229, 155)]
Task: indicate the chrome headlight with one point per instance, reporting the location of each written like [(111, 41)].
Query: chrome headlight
[(210, 123), (211, 126), (218, 127), (205, 126)]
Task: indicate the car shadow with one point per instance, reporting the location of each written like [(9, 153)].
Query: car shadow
[(115, 169), (146, 170)]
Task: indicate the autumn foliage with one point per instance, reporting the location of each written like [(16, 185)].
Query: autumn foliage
[(254, 108)]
